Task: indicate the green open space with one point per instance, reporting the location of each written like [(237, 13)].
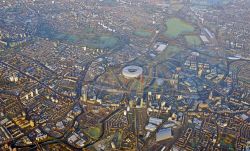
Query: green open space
[(87, 37), (142, 33), (119, 138), (193, 40), (227, 145), (136, 85), (210, 2), (109, 2), (176, 27), (168, 53), (94, 132), (176, 5), (104, 41)]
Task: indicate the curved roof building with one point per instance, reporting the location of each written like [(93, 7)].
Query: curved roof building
[(130, 72)]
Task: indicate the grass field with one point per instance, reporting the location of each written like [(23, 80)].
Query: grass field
[(210, 3), (94, 132), (119, 139), (193, 40), (169, 52), (109, 2), (176, 27), (103, 42), (142, 33), (87, 37), (176, 5)]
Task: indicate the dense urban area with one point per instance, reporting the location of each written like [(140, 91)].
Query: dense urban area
[(134, 75)]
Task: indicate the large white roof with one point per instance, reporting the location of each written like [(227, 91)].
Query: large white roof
[(132, 71)]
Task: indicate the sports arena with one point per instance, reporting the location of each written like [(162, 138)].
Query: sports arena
[(130, 72)]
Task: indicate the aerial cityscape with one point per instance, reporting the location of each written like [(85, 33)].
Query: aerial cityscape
[(132, 75)]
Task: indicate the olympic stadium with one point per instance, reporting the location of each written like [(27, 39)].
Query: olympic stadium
[(130, 72)]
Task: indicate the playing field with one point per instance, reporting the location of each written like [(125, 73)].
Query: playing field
[(176, 27), (193, 40), (169, 52)]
